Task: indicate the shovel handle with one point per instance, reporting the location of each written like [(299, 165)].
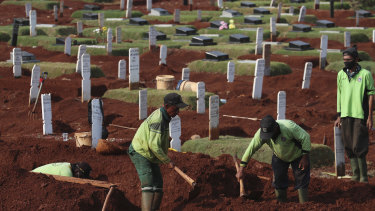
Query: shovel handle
[(185, 176), (242, 187)]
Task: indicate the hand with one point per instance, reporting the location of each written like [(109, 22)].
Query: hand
[(239, 174), (338, 122), (171, 165), (369, 122), (304, 163)]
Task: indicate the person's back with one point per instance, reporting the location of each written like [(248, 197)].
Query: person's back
[(61, 169)]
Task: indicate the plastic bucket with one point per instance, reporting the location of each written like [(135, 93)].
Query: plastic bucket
[(83, 138), (188, 86), (164, 82)]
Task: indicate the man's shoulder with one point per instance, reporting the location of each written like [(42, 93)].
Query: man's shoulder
[(365, 72)]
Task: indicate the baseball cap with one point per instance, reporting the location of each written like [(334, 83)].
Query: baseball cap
[(267, 127), (174, 99), (352, 51)]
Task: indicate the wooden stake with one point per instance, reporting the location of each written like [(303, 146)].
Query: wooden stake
[(130, 128), (107, 198)]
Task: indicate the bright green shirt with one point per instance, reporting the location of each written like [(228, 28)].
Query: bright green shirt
[(62, 169), (352, 100), (152, 138), (288, 146)]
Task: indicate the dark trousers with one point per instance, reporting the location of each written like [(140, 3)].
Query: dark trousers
[(354, 137), (280, 172)]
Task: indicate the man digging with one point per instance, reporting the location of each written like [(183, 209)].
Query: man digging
[(355, 90), (149, 148), (291, 146)]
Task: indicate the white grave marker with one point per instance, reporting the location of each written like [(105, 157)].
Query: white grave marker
[(133, 68), (220, 3), (307, 75), (149, 5), (200, 98), (273, 29), (109, 41), (47, 114), (17, 61), (152, 37), (61, 8), (55, 12), (86, 73), (27, 9), (199, 15), (279, 7), (259, 41), (230, 72), (357, 18), (101, 20), (79, 28), (373, 36), (142, 104), (258, 80), (122, 4), (97, 122), (118, 35), (129, 6), (122, 69), (68, 46), (281, 105), (35, 75), (339, 153), (81, 51), (323, 53), (347, 39), (291, 10), (32, 20), (302, 14), (163, 55), (185, 74), (175, 133), (267, 59), (214, 131), (316, 4), (86, 90), (272, 3), (176, 16)]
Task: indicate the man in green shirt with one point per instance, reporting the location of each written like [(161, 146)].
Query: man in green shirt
[(355, 90), (291, 146), (79, 170), (149, 148)]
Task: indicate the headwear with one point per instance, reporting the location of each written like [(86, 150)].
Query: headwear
[(267, 127), (352, 51), (82, 170), (174, 99)]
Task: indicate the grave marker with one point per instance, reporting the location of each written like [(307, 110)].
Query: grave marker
[(272, 3), (339, 153), (55, 11), (259, 41), (15, 33), (357, 18), (273, 29), (323, 52), (332, 8), (27, 9), (199, 15), (214, 130), (122, 4), (68, 46), (258, 79), (176, 16), (190, 5), (142, 104), (32, 19), (17, 61), (133, 68), (163, 55), (79, 29), (109, 41), (81, 51), (373, 36), (281, 105), (302, 14), (175, 133), (149, 5), (86, 73), (101, 20), (129, 7), (307, 75), (230, 72), (185, 74), (118, 35), (220, 3), (200, 97), (97, 121), (122, 69), (61, 8), (152, 38), (267, 59), (316, 4), (35, 75), (291, 10), (279, 7), (346, 39), (47, 114)]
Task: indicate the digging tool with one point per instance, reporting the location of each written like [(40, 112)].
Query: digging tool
[(241, 117), (185, 177), (112, 187), (130, 128), (42, 78), (242, 188)]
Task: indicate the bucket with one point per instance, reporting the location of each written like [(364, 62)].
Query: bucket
[(188, 86), (164, 82), (83, 138)]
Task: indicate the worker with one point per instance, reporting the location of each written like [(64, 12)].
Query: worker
[(79, 170), (355, 90), (149, 148), (291, 146)]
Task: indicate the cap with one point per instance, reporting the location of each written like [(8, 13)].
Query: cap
[(174, 99), (352, 51), (267, 127), (83, 169)]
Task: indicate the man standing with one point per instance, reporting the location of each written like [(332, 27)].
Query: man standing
[(149, 148), (355, 90), (291, 146)]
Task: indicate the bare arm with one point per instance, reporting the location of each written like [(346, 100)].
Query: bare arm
[(369, 119)]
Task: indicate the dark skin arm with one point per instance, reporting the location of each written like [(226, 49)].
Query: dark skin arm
[(304, 163), (369, 119)]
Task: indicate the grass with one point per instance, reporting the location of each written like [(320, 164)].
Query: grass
[(277, 68), (320, 155), (154, 97), (337, 66), (233, 50), (107, 13), (42, 5), (56, 69)]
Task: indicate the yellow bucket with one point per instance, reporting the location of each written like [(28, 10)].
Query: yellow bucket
[(164, 82), (189, 86), (83, 138)]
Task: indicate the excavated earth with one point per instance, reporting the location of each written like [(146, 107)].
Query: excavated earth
[(23, 147)]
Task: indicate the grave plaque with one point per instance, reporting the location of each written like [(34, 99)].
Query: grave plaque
[(68, 46), (159, 12), (230, 72), (79, 29), (55, 12), (86, 69), (347, 39), (298, 45), (200, 98), (27, 9), (152, 38), (259, 41), (220, 3), (230, 13), (47, 114), (159, 36), (142, 104), (325, 23), (122, 69), (32, 23), (101, 20), (273, 29), (129, 6), (138, 21), (97, 121), (214, 131), (301, 28), (90, 16), (185, 74), (307, 75), (267, 59), (316, 4), (281, 105), (149, 5), (81, 51), (185, 31), (247, 4), (86, 90), (118, 35), (258, 79), (364, 13), (35, 75), (253, 20), (25, 57), (163, 55), (261, 11), (176, 16), (297, 1), (17, 61), (201, 41), (216, 56), (133, 68), (239, 38), (339, 153), (175, 133), (91, 7), (122, 4), (302, 14), (199, 15), (215, 24), (22, 21)]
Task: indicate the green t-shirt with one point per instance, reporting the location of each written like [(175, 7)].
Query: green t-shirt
[(352, 96), (61, 169), (288, 146)]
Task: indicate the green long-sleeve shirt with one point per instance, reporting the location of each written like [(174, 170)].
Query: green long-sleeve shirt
[(61, 169), (288, 146), (152, 137)]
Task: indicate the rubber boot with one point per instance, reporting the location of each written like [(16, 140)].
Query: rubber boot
[(355, 169), (362, 170), (147, 198), (157, 200), (303, 195), (280, 195)]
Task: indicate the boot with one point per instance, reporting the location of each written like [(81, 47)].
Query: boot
[(147, 198), (280, 195), (303, 195), (363, 170), (355, 169), (157, 200)]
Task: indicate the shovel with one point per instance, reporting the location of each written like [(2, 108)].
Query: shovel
[(196, 188), (43, 78), (242, 188)]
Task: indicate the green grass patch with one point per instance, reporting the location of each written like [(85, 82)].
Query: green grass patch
[(337, 66), (42, 5), (4, 37), (233, 50), (154, 97), (320, 155)]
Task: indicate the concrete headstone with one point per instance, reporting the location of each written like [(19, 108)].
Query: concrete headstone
[(347, 39), (302, 14), (79, 28), (46, 114), (175, 133), (68, 46), (273, 29), (357, 18), (291, 10), (199, 15), (149, 5), (307, 75), (214, 131), (373, 36), (129, 6), (272, 3), (152, 37), (316, 4), (281, 105), (122, 4), (101, 20), (163, 55), (176, 16), (55, 12), (97, 122), (122, 69), (267, 59), (339, 153), (86, 69), (323, 52), (27, 9), (259, 41), (17, 61), (118, 35), (61, 8), (185, 74), (201, 90), (220, 3), (279, 7), (35, 75), (230, 71), (133, 68), (81, 51), (258, 79), (142, 104), (109, 41), (32, 20)]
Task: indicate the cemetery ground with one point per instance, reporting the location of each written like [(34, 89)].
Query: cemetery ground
[(23, 146)]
